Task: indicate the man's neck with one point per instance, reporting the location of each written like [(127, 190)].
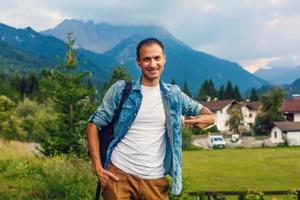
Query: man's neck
[(148, 83)]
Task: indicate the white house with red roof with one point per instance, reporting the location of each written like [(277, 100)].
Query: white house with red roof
[(288, 130), (250, 111), (220, 112)]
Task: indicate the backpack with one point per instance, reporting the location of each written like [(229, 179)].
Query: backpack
[(107, 132)]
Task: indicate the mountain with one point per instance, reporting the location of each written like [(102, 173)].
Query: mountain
[(279, 75), (186, 64), (183, 63), (296, 86), (45, 51), (102, 36), (16, 60)]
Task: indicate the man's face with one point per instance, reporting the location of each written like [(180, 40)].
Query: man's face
[(152, 60)]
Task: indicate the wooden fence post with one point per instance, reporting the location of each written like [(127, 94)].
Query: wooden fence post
[(298, 194)]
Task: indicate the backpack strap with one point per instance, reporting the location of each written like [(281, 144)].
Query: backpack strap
[(125, 95), (116, 116)]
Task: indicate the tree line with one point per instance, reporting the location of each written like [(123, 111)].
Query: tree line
[(208, 91)]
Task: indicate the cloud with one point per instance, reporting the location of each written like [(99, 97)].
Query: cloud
[(245, 31)]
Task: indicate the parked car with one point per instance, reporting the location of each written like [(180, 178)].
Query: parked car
[(216, 141)]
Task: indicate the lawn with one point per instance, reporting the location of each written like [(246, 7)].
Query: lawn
[(25, 176), (240, 169)]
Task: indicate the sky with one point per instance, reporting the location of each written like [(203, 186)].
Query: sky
[(254, 33)]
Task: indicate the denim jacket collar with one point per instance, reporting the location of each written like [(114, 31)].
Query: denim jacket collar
[(165, 90)]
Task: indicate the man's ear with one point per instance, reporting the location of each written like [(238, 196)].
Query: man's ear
[(137, 62)]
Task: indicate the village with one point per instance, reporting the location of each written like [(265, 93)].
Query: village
[(282, 132)]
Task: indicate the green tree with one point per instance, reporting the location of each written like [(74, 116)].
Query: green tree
[(36, 119), (72, 104), (10, 124), (253, 95), (186, 89), (119, 73), (173, 81), (204, 91), (269, 113), (207, 89), (221, 95), (213, 92), (229, 92), (236, 119), (237, 94)]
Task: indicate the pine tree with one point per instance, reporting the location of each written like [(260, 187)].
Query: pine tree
[(222, 94), (72, 104), (204, 91), (269, 113), (186, 89), (173, 82), (119, 73), (253, 96), (212, 90), (229, 93), (237, 94)]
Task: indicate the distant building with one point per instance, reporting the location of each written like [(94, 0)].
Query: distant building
[(220, 111), (291, 109), (250, 111), (288, 130)]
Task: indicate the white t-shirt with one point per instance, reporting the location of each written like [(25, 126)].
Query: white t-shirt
[(142, 150)]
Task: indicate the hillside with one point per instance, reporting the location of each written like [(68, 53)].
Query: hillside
[(183, 63), (279, 75), (100, 37)]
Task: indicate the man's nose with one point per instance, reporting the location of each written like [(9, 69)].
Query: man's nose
[(152, 63)]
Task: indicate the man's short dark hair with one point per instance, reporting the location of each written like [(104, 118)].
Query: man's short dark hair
[(148, 41)]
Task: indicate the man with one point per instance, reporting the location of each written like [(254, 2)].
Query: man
[(147, 142)]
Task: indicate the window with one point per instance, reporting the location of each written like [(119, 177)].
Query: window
[(275, 134), (250, 115)]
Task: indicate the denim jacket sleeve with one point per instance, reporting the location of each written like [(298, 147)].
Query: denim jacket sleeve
[(104, 114), (190, 107)]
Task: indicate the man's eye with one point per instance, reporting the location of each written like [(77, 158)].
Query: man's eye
[(146, 59), (157, 58)]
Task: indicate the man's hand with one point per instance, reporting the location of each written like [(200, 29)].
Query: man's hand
[(204, 120), (199, 122), (103, 175)]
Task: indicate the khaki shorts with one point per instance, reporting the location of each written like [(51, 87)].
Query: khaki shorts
[(129, 187)]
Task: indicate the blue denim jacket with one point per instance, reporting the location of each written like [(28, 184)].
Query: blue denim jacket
[(175, 103)]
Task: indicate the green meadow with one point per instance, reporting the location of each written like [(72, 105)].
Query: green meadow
[(240, 169), (26, 176)]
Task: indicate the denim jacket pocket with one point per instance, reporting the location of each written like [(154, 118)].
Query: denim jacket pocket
[(126, 110)]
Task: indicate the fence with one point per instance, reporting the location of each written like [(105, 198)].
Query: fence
[(221, 195)]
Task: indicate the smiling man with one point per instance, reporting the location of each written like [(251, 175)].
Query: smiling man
[(147, 139)]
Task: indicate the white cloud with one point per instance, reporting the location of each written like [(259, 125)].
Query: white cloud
[(255, 31)]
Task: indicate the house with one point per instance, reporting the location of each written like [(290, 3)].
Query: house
[(291, 109), (220, 112), (250, 111), (286, 130)]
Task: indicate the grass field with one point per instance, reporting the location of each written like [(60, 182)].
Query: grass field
[(24, 176), (240, 169)]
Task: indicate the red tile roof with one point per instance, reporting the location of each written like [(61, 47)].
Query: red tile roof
[(290, 105), (216, 105), (253, 105), (288, 126)]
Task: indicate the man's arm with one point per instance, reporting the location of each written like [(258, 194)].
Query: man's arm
[(93, 145), (101, 118), (201, 121)]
